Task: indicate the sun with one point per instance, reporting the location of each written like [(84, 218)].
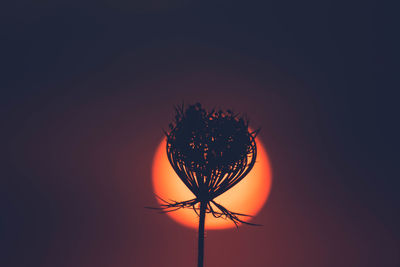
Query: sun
[(247, 197)]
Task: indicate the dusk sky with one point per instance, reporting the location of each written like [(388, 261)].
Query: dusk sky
[(87, 88)]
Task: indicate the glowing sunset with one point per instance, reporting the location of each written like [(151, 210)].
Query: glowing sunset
[(247, 197), (152, 133)]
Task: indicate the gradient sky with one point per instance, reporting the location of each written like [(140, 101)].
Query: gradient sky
[(87, 87)]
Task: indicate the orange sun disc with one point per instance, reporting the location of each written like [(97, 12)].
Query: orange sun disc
[(247, 197)]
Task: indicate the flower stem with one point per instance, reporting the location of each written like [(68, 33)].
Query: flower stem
[(200, 262)]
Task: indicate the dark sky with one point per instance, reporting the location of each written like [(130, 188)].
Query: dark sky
[(87, 87)]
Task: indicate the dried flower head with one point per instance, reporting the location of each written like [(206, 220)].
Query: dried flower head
[(210, 152)]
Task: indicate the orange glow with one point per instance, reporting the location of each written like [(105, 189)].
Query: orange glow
[(247, 197)]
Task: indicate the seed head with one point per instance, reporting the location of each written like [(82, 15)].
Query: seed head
[(210, 152)]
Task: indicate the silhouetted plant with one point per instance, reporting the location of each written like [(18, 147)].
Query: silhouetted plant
[(210, 152)]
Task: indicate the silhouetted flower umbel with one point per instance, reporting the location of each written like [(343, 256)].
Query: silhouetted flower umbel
[(211, 152)]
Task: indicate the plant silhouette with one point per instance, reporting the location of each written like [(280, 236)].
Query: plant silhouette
[(210, 152)]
